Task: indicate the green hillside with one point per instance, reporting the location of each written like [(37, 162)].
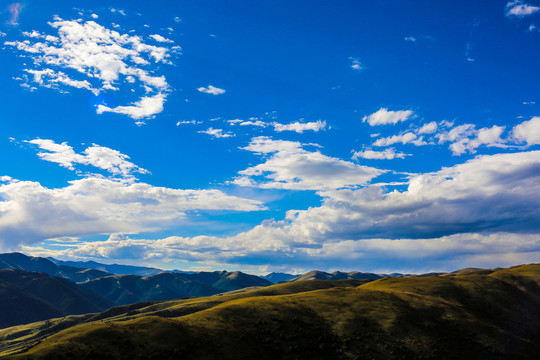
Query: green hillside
[(475, 314)]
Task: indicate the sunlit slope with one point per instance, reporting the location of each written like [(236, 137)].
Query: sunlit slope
[(479, 314)]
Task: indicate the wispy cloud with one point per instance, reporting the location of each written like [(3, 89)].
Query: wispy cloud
[(386, 154), (100, 157), (355, 63), (217, 133), (14, 12)]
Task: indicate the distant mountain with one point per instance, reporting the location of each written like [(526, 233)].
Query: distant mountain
[(128, 289), (28, 296), (276, 277), (112, 269), (31, 263), (336, 275), (475, 314)]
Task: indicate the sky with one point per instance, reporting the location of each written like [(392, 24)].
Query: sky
[(382, 136)]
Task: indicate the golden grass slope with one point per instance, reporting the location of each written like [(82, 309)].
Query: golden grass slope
[(472, 315)]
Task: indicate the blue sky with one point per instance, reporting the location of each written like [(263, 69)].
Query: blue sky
[(277, 136)]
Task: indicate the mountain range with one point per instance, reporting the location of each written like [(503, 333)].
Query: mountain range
[(467, 314), (48, 288)]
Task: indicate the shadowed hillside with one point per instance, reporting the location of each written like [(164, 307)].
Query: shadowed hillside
[(128, 289), (493, 314), (31, 296)]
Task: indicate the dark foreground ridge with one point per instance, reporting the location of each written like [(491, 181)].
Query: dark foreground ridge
[(473, 314)]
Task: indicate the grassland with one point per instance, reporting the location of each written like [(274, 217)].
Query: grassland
[(476, 314)]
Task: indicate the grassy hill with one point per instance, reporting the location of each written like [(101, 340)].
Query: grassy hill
[(28, 296), (476, 314)]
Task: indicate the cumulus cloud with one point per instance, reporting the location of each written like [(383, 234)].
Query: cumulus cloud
[(469, 214), (160, 38), (386, 154), (289, 166), (31, 212), (217, 133), (410, 38), (384, 117), (98, 59), (101, 157), (518, 8), (528, 131), (466, 137), (211, 90), (428, 128)]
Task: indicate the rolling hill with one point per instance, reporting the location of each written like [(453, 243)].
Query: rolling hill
[(477, 314), (32, 296)]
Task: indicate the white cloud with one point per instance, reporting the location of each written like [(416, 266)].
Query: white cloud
[(300, 127), (191, 122), (99, 156), (289, 166), (484, 211), (217, 133), (49, 78), (465, 138), (160, 38), (145, 107), (386, 154), (94, 16), (239, 122), (211, 90), (91, 206), (14, 12), (528, 131), (410, 38), (118, 11), (405, 138), (428, 128), (356, 64), (384, 117), (518, 8), (104, 58)]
